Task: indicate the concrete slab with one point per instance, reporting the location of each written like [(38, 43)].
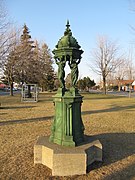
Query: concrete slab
[(67, 161)]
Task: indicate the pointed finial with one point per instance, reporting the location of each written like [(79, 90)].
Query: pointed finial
[(67, 31), (68, 25)]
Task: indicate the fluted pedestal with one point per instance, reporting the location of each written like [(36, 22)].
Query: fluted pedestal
[(67, 128)]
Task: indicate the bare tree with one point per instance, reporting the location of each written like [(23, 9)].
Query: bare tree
[(121, 72), (6, 34), (105, 58), (130, 65), (4, 25), (130, 69), (11, 59)]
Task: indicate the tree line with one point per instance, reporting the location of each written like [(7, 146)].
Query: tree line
[(83, 84), (28, 62), (110, 63), (24, 60)]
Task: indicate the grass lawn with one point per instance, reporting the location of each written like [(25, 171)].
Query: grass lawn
[(109, 119)]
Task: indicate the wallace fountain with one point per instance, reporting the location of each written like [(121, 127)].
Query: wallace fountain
[(67, 151)]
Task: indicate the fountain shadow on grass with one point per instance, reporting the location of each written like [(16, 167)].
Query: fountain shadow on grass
[(116, 146)]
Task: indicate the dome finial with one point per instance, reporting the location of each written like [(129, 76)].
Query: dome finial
[(68, 25), (67, 41), (67, 31)]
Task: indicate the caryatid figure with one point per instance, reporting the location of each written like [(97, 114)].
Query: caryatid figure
[(61, 72), (74, 70)]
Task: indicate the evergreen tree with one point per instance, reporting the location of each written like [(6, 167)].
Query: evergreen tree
[(25, 57), (35, 65), (86, 83), (31, 63), (81, 84), (46, 80)]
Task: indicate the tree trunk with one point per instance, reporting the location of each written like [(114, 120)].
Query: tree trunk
[(119, 87), (104, 85), (129, 94), (11, 89)]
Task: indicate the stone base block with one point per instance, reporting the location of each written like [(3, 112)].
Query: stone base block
[(67, 161)]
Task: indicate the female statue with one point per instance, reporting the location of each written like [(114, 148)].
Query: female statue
[(74, 70), (61, 72)]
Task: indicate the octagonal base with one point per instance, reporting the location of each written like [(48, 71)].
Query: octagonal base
[(67, 161)]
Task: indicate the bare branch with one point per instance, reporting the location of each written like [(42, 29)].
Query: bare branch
[(105, 58)]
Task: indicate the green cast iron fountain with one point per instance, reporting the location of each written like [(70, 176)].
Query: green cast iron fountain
[(67, 128)]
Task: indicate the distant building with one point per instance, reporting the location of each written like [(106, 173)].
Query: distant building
[(124, 85), (2, 86)]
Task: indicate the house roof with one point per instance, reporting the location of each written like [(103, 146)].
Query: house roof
[(125, 82), (122, 82), (2, 85)]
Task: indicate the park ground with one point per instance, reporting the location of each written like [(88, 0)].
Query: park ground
[(111, 119)]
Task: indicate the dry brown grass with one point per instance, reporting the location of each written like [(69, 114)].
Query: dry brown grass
[(110, 119)]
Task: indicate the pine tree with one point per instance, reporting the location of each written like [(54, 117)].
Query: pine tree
[(86, 83), (47, 71), (32, 63), (35, 64), (25, 57)]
